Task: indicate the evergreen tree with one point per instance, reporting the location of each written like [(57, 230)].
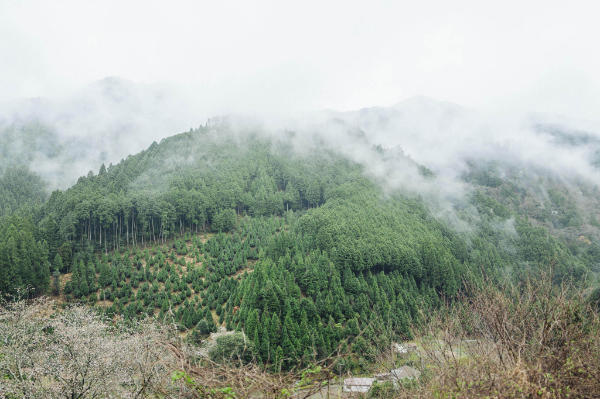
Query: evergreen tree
[(251, 324), (278, 359), (56, 279)]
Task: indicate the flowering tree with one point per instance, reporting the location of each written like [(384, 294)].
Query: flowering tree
[(75, 353)]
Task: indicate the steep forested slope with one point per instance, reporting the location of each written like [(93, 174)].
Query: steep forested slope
[(61, 138), (286, 240), (19, 189), (314, 245)]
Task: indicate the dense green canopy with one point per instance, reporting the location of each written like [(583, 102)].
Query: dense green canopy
[(297, 249)]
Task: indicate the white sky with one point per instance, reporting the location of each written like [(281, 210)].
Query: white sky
[(280, 56)]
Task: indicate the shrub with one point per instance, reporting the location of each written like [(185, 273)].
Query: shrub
[(224, 221), (532, 339), (232, 348)]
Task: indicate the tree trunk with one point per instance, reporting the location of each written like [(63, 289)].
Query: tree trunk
[(153, 236)]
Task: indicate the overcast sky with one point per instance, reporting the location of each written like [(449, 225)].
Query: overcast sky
[(279, 56)]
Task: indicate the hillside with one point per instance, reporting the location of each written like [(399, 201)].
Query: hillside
[(60, 138), (308, 249), (279, 200), (310, 282)]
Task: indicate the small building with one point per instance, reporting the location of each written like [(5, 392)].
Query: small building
[(404, 372), (361, 385)]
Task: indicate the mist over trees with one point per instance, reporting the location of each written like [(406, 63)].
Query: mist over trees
[(217, 200), (61, 138), (297, 246)]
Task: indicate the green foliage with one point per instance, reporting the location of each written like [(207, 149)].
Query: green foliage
[(305, 255), (224, 221), (382, 390), (20, 190), (24, 265), (363, 232), (232, 348), (202, 391), (487, 205)]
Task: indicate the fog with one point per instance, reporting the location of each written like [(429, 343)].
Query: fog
[(449, 140), (281, 57), (441, 82), (102, 122)]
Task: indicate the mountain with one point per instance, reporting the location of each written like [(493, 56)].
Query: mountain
[(63, 138), (310, 238)]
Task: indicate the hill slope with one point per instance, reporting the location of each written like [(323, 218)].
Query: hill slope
[(311, 247)]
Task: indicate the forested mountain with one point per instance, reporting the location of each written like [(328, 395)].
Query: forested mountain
[(19, 188), (288, 239), (60, 138)]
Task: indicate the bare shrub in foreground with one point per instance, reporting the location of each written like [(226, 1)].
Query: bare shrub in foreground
[(531, 340), (236, 377), (75, 353)]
